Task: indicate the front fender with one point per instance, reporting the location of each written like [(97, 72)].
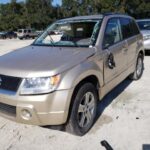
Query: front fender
[(75, 75)]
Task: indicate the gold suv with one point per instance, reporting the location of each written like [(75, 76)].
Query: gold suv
[(59, 79)]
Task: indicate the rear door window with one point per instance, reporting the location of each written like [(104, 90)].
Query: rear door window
[(126, 28), (134, 28)]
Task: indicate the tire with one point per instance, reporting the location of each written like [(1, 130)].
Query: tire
[(83, 110), (139, 68)]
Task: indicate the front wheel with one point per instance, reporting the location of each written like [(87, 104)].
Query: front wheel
[(84, 110), (139, 68)]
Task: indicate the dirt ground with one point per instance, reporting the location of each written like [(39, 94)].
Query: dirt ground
[(123, 120)]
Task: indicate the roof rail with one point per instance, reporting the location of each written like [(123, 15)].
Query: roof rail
[(114, 13)]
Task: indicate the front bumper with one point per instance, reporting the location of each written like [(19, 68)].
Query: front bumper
[(46, 109), (147, 44)]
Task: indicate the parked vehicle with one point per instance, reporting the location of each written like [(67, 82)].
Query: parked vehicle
[(2, 35), (144, 25), (26, 34), (59, 79), (9, 34), (39, 32)]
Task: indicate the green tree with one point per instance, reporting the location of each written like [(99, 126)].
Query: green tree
[(39, 14)]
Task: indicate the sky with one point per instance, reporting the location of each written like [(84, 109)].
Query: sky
[(55, 2)]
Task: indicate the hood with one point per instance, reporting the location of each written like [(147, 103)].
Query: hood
[(145, 32), (40, 61)]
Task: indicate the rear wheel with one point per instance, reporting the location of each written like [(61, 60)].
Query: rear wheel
[(84, 110), (139, 68)]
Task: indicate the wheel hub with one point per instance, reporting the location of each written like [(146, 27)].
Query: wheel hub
[(86, 109)]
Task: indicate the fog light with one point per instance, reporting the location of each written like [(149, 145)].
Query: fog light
[(26, 114)]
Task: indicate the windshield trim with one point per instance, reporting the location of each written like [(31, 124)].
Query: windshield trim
[(47, 45)]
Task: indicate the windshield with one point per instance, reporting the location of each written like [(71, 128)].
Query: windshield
[(144, 25), (70, 33)]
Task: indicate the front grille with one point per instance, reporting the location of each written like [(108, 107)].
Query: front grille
[(9, 83), (8, 109)]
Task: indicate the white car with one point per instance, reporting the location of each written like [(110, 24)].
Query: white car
[(144, 25)]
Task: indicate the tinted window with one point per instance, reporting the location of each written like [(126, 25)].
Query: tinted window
[(112, 33), (126, 28), (134, 27)]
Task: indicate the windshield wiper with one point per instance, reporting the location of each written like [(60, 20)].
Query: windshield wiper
[(51, 39)]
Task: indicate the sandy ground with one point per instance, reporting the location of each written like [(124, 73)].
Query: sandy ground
[(123, 121)]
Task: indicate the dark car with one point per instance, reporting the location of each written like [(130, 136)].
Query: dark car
[(9, 34), (2, 35)]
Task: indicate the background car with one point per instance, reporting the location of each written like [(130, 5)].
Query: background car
[(144, 25), (2, 35), (9, 34), (26, 34)]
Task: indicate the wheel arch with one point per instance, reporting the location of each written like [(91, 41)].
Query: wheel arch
[(88, 79), (142, 53)]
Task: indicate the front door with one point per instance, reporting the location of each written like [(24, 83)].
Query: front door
[(115, 50)]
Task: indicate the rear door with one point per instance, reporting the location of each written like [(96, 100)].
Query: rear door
[(130, 32), (114, 45)]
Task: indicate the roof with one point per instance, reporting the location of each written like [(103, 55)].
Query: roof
[(83, 18), (92, 17), (143, 20)]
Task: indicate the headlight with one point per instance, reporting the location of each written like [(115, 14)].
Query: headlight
[(39, 85), (146, 37)]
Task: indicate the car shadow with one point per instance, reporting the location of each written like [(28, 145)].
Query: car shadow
[(108, 99), (146, 147)]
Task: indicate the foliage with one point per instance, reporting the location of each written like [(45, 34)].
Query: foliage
[(39, 14)]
